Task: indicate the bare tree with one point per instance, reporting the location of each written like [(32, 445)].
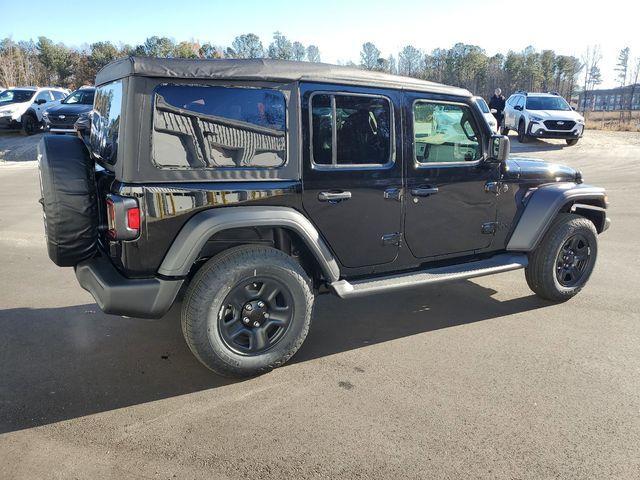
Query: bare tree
[(313, 53), (591, 60), (298, 51), (410, 60), (622, 68), (369, 56)]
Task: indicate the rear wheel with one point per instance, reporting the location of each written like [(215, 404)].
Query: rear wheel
[(247, 311), (572, 141), (562, 264), (522, 134)]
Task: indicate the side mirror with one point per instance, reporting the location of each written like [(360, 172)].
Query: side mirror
[(499, 148), (40, 101), (493, 110), (518, 107)]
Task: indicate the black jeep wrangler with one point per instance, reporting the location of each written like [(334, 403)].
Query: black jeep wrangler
[(254, 185)]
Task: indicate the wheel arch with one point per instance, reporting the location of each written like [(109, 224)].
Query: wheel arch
[(547, 202), (210, 224)]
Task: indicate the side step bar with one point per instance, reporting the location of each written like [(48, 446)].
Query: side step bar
[(496, 264)]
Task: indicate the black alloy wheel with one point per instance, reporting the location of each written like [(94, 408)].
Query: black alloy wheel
[(247, 310), (562, 263), (255, 315), (572, 261)]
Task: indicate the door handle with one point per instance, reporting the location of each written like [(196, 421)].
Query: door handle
[(333, 196), (424, 191)]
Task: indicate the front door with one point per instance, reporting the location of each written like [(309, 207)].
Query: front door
[(450, 197), (352, 176)]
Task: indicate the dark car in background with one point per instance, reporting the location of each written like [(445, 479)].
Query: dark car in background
[(78, 105)]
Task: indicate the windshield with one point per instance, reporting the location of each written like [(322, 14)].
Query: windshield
[(547, 103), (484, 108), (16, 96), (80, 97)]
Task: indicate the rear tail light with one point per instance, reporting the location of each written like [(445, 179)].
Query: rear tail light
[(123, 218)]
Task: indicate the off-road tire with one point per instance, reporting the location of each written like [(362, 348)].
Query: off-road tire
[(571, 141), (522, 133), (541, 271), (69, 199), (30, 124), (206, 297)]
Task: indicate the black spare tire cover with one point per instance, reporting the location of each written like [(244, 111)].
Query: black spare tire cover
[(69, 200)]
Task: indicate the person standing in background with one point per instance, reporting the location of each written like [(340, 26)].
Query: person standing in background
[(497, 102)]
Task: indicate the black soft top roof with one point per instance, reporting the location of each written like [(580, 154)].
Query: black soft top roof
[(263, 70)]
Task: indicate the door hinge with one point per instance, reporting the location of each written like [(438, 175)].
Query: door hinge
[(489, 228), (391, 239)]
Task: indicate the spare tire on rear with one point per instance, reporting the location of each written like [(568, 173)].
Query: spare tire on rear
[(69, 199)]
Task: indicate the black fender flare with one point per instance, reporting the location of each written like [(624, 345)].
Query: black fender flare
[(542, 207), (192, 237)]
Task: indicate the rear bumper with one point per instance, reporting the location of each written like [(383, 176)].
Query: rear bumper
[(538, 130), (116, 294)]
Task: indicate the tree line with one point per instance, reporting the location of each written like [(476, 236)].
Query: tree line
[(45, 62)]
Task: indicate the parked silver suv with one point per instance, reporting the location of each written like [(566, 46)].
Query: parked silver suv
[(542, 115)]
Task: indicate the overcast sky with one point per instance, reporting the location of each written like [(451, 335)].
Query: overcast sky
[(339, 28)]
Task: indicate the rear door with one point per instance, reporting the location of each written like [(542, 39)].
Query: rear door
[(352, 173)]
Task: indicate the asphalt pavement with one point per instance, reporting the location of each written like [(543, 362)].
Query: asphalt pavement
[(474, 379)]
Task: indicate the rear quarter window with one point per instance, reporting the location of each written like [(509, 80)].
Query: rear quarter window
[(105, 122), (209, 127)]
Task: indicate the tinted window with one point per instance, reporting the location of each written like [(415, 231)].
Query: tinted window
[(350, 130), (444, 133), (212, 126), (105, 122), (16, 96)]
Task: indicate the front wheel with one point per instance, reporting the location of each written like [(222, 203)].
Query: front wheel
[(522, 134), (561, 265), (247, 311), (30, 124), (572, 141)]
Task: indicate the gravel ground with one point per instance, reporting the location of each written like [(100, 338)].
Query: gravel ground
[(476, 379), (15, 147)]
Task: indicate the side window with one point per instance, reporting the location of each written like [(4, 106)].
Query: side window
[(351, 130), (521, 101), (43, 95), (445, 133), (212, 127), (57, 95)]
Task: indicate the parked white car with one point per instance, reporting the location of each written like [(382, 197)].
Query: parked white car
[(487, 113), (542, 115), (23, 107)]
